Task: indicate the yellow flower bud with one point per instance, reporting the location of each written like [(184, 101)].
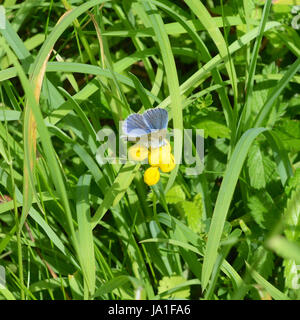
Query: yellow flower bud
[(167, 167), (160, 155), (138, 152), (151, 176)]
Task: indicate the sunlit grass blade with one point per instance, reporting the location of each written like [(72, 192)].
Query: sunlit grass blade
[(285, 248)]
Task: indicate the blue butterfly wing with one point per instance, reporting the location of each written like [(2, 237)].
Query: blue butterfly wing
[(156, 119), (135, 126)]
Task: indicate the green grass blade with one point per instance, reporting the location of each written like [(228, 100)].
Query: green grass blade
[(253, 63), (203, 15), (274, 292), (284, 248), (85, 232), (224, 199), (215, 61), (46, 142), (116, 191)]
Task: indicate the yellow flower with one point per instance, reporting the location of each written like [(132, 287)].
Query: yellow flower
[(167, 145), (160, 155), (151, 176), (167, 167), (138, 152)]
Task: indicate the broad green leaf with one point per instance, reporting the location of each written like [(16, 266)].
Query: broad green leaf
[(264, 261), (175, 195), (292, 220), (263, 209), (265, 111), (293, 182), (288, 131), (213, 124), (193, 211), (167, 283), (260, 167)]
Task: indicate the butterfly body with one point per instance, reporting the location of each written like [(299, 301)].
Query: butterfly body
[(150, 127)]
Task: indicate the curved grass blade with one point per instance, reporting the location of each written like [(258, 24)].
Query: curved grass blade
[(115, 283), (224, 199), (274, 292)]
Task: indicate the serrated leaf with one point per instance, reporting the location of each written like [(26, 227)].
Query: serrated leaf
[(288, 132), (243, 250), (292, 214), (263, 209), (213, 129), (168, 283), (292, 232), (293, 182), (175, 194), (291, 274), (201, 102), (198, 201), (213, 124), (264, 261), (193, 211), (216, 158), (258, 99), (277, 113), (261, 93), (260, 167)]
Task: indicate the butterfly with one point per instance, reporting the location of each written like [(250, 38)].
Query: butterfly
[(150, 127)]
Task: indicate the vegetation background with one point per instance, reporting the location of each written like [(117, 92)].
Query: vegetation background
[(73, 229)]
